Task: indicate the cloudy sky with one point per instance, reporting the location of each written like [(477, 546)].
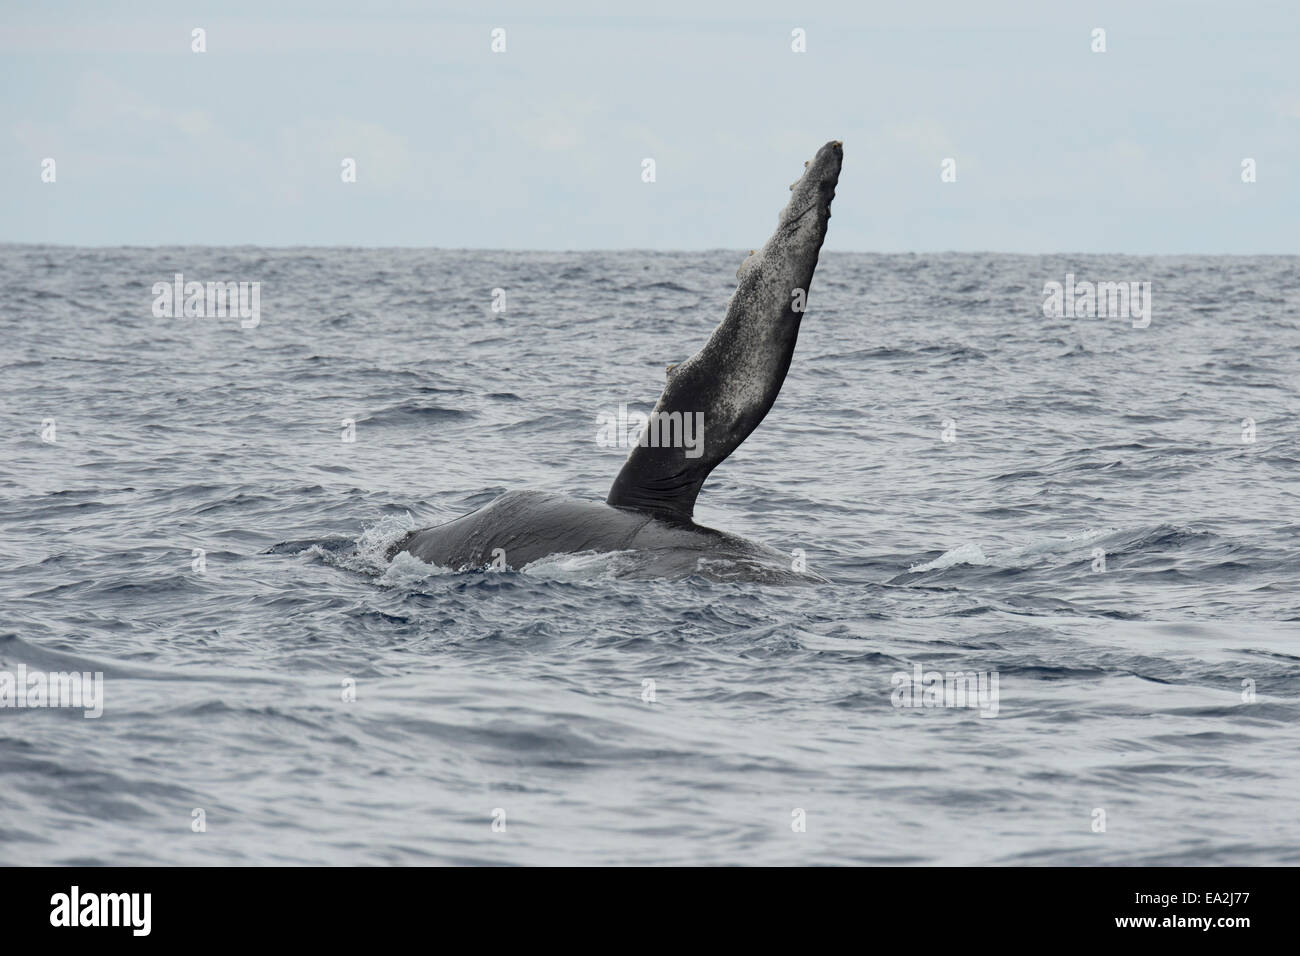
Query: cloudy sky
[(1056, 148)]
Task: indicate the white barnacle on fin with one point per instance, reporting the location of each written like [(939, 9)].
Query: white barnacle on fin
[(744, 263)]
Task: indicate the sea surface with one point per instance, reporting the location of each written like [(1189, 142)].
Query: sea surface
[(1104, 518)]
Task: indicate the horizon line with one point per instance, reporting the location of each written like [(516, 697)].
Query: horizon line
[(636, 249)]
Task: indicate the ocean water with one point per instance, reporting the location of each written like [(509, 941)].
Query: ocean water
[(1098, 533)]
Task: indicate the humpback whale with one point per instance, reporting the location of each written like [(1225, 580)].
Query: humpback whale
[(731, 382)]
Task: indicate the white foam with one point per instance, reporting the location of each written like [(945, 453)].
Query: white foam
[(1070, 542), (375, 540), (969, 553), (406, 569), (972, 554), (582, 566)]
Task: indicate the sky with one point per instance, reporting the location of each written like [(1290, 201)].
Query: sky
[(1055, 147)]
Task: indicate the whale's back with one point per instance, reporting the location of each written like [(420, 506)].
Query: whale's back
[(521, 527)]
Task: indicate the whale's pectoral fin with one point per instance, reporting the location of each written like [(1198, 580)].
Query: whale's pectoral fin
[(714, 399)]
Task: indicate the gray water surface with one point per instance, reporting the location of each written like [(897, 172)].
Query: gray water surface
[(518, 696)]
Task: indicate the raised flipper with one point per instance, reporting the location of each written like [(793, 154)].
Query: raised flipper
[(734, 379)]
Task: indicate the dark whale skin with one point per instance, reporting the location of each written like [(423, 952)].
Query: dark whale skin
[(527, 526)]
